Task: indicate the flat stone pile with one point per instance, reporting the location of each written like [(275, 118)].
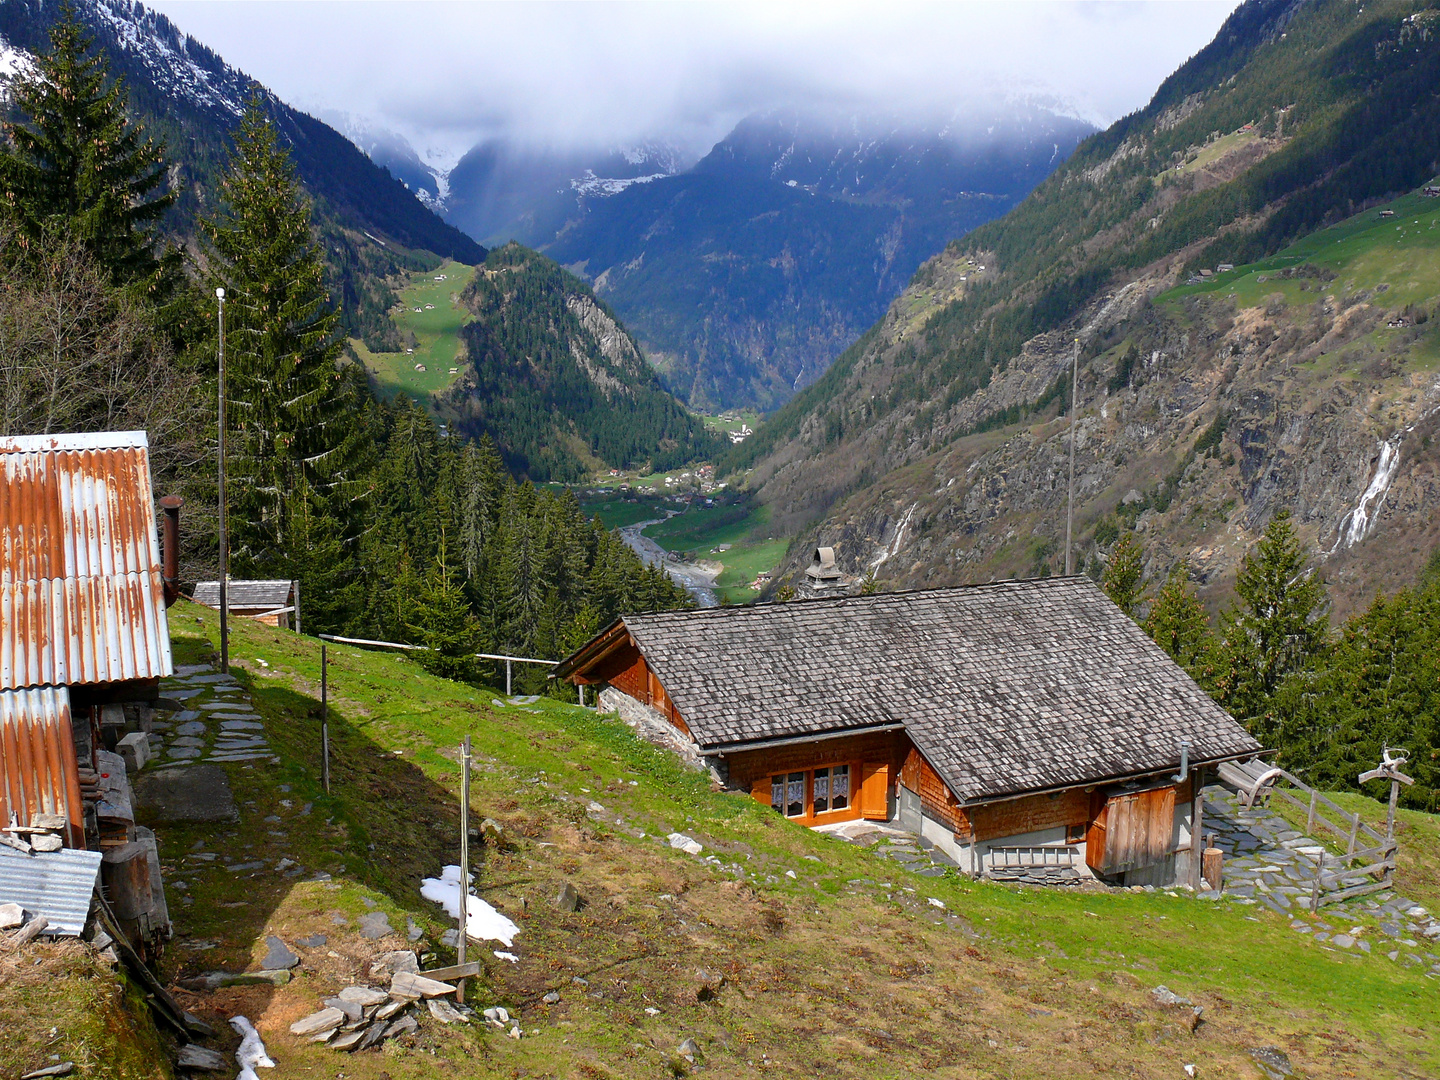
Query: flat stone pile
[(1268, 862), (1038, 875), (361, 1017), (218, 723)]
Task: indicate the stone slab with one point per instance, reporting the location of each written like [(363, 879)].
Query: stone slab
[(186, 793)]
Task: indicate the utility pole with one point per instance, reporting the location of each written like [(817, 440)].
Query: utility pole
[(1070, 494), (224, 537)]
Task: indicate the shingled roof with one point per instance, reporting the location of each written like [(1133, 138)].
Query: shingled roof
[(1007, 688)]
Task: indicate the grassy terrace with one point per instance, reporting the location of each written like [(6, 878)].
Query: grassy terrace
[(830, 954), (1401, 253), (431, 310)]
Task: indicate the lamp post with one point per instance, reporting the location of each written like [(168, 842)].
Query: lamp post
[(224, 537)]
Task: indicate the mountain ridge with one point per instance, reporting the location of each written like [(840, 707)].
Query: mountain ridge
[(1295, 116)]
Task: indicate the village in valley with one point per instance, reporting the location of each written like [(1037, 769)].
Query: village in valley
[(400, 681)]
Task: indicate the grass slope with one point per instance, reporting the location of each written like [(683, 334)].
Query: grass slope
[(745, 526), (1366, 252), (430, 309), (830, 954)]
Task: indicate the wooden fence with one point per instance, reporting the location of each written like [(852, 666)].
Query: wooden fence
[(1329, 885)]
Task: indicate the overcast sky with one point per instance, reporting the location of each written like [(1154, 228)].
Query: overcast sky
[(447, 75)]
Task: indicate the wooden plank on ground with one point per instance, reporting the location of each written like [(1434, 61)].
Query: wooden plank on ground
[(455, 971), (1358, 890)]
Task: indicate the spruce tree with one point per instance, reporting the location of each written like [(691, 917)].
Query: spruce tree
[(440, 619), (1123, 573), (1276, 626), (1177, 623), (291, 409), (72, 163)]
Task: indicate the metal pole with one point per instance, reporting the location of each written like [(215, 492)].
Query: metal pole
[(324, 719), (224, 537), (1070, 494), (464, 858)]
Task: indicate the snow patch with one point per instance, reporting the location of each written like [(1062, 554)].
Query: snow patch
[(482, 922), (601, 186)]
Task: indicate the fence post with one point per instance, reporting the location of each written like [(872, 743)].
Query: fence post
[(1354, 832), (1315, 888), (1310, 817), (508, 691)]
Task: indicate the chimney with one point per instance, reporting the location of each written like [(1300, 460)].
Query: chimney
[(170, 555)]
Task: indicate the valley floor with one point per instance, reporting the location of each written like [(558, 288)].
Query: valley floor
[(780, 951)]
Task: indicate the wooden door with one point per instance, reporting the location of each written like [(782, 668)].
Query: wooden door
[(875, 792), (1133, 830)]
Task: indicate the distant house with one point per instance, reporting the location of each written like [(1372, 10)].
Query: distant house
[(270, 602), (1014, 721), (1224, 268), (1431, 191), (84, 643), (1387, 213)]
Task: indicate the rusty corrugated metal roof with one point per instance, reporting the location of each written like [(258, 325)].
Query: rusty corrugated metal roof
[(56, 884), (38, 773), (81, 598)]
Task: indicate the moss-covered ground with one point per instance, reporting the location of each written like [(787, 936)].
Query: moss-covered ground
[(835, 961)]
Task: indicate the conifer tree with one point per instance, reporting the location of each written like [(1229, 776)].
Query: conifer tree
[(72, 163), (1277, 624), (1177, 623), (291, 408), (1123, 573), (440, 619)]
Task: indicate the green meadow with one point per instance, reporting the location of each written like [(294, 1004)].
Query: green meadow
[(430, 309)]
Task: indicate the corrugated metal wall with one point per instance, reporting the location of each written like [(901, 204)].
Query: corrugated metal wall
[(38, 772), (81, 598)]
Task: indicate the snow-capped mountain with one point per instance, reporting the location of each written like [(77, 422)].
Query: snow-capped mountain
[(189, 97)]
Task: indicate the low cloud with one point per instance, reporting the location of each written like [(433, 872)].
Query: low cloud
[(448, 75)]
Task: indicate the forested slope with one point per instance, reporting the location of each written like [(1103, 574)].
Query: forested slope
[(187, 96), (558, 383)]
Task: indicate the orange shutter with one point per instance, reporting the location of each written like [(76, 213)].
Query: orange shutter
[(874, 791), (760, 788)]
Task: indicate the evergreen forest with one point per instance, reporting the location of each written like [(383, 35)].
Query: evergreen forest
[(393, 529), (1329, 699)]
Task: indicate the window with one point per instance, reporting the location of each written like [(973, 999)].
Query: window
[(829, 790), (832, 788), (787, 794)]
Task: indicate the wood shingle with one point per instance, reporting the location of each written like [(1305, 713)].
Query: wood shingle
[(1006, 688)]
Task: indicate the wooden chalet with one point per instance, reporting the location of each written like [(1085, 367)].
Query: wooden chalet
[(268, 602), (1000, 722)]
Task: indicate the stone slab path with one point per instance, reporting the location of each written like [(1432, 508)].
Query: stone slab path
[(217, 724), (902, 848), (1269, 863)]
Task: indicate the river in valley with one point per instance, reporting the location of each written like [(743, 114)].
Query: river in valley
[(695, 579)]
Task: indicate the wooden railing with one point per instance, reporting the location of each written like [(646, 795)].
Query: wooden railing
[(1020, 858), (1329, 885)]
